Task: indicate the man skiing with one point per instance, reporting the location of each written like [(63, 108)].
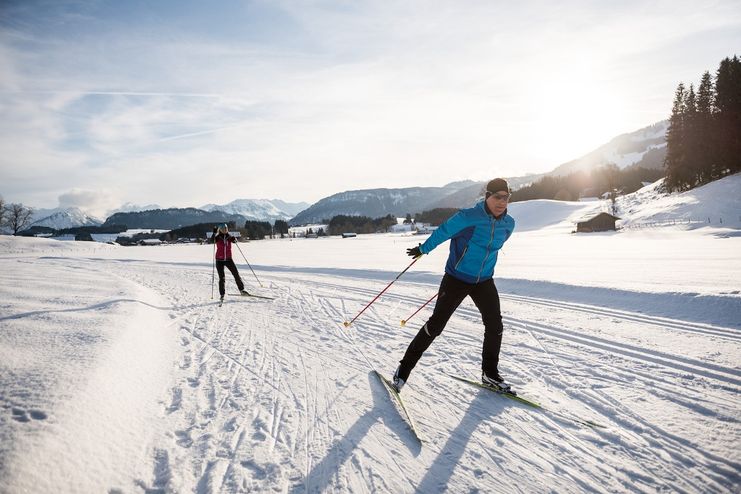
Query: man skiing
[(476, 235), (224, 242)]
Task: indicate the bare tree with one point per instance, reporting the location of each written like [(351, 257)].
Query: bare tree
[(19, 217), (2, 210)]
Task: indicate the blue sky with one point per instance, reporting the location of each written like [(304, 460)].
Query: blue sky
[(188, 103)]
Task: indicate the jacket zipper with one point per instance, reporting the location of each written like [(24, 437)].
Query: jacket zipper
[(461, 259), (486, 255)]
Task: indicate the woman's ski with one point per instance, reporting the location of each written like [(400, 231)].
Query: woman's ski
[(251, 295)]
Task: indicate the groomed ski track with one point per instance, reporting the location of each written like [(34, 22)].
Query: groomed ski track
[(275, 395)]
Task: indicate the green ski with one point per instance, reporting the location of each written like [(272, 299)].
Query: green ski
[(529, 403), (251, 295), (405, 413), (511, 396)]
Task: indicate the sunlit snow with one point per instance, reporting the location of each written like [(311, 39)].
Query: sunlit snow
[(119, 372)]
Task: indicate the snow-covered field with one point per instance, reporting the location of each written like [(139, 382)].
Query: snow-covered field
[(119, 373)]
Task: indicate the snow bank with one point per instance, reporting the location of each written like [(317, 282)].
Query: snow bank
[(553, 215), (21, 246), (715, 204), (85, 358)]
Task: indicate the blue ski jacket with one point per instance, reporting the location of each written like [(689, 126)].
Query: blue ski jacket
[(475, 239)]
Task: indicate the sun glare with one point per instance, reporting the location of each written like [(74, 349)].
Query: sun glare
[(573, 116)]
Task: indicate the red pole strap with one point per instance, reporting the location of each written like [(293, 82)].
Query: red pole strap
[(382, 291)]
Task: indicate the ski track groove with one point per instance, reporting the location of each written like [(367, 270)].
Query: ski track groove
[(307, 411), (637, 438), (689, 327), (663, 322), (629, 351), (677, 362), (676, 446), (694, 366), (644, 425)]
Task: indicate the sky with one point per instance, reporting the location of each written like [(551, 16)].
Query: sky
[(184, 103)]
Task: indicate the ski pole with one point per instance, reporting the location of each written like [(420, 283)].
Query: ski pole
[(213, 268), (248, 263), (404, 321), (387, 287)]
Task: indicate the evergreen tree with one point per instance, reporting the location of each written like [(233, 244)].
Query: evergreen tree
[(728, 116), (435, 216), (257, 230), (675, 142), (704, 123), (692, 158), (359, 224), (281, 227)]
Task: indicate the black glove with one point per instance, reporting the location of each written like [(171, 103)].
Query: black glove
[(414, 252)]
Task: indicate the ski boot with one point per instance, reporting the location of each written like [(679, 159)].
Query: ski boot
[(397, 382), (497, 382)]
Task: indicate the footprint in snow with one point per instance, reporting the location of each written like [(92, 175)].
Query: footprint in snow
[(184, 439), (22, 415), (261, 472)]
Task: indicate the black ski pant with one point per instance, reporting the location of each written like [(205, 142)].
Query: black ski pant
[(233, 268), (451, 294)]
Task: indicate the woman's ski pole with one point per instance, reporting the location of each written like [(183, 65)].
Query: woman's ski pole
[(213, 268), (248, 263), (404, 321), (346, 323)]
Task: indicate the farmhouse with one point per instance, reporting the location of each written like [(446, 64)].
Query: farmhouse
[(601, 222)]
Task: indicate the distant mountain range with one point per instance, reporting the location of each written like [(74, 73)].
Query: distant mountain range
[(133, 208), (153, 216), (375, 203), (72, 217), (260, 209), (645, 147), (64, 218)]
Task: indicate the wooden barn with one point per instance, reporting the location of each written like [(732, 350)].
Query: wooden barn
[(601, 222)]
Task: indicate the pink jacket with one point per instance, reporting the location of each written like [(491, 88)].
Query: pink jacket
[(224, 246)]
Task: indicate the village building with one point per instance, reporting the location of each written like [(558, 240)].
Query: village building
[(401, 228), (600, 222)]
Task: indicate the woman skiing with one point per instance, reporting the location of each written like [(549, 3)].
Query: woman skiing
[(223, 242)]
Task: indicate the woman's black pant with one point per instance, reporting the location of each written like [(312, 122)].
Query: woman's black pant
[(233, 268), (451, 294)]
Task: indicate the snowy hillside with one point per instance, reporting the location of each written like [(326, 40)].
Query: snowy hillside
[(119, 372), (259, 209), (645, 147), (67, 218), (717, 203)]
